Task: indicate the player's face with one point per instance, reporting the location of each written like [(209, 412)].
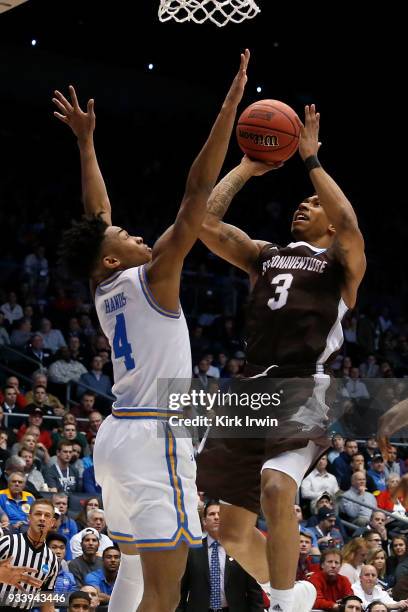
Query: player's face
[(310, 222), (120, 250)]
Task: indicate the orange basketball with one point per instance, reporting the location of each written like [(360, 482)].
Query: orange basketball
[(267, 130)]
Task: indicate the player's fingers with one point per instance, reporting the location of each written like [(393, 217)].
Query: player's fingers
[(90, 106), (28, 570), (73, 97), (35, 582), (59, 105), (62, 118), (299, 122), (64, 101)]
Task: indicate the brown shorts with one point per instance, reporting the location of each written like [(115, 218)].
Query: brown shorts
[(229, 466)]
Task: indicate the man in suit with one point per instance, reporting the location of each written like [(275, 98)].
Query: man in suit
[(213, 581)]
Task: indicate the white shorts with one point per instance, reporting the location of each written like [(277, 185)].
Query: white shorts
[(148, 481), (295, 463)]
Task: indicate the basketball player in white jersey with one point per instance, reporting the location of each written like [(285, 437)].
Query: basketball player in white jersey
[(147, 476)]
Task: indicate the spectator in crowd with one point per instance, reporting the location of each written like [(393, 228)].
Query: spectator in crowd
[(356, 389), (88, 460), (39, 378), (377, 472), (33, 475), (84, 408), (95, 421), (30, 441), (351, 603), (36, 419), (92, 503), (337, 447), (213, 371), (39, 355), (211, 575), (370, 449), (329, 584), (88, 561), (16, 464), (68, 527), (357, 465), (65, 582), (350, 504), (96, 520), (20, 336), (98, 382), (35, 265), (94, 595), (307, 563), (328, 536), (15, 501), (70, 432), (377, 525), (394, 465), (65, 368), (89, 483), (79, 601), (201, 372), (75, 347), (305, 529), (368, 590), (378, 558), (395, 497), (373, 539), (62, 477), (369, 368), (341, 465), (13, 381), (10, 408), (319, 481), (76, 460), (53, 338), (354, 555), (104, 579), (40, 401), (399, 553), (4, 335), (11, 310)]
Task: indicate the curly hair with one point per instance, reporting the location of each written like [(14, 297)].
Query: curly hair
[(81, 245)]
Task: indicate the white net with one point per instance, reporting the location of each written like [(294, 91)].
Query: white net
[(219, 12)]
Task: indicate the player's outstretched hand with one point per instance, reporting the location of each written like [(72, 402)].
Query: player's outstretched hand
[(309, 132), (258, 168), (392, 421), (81, 123), (234, 96), (18, 576)]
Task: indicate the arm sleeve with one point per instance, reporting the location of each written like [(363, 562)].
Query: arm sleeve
[(49, 582)]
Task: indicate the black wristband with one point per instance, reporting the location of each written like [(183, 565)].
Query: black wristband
[(312, 162)]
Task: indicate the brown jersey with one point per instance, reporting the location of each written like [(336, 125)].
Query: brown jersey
[(295, 309)]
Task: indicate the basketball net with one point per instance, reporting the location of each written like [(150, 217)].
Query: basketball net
[(219, 12)]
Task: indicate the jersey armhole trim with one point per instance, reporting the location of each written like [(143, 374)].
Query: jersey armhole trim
[(150, 298)]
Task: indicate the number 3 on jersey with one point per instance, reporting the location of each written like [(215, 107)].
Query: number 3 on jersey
[(282, 282), (121, 346)]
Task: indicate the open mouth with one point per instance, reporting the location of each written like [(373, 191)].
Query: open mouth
[(300, 217)]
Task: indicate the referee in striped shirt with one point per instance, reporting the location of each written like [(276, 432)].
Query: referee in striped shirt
[(30, 550)]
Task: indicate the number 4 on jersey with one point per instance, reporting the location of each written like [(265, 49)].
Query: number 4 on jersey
[(121, 346), (283, 282)]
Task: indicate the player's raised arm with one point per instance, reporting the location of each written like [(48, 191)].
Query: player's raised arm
[(227, 241), (349, 243), (171, 249), (94, 194)]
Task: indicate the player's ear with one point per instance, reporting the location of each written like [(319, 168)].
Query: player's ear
[(111, 262), (331, 229)]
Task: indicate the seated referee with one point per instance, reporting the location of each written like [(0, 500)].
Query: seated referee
[(30, 550)]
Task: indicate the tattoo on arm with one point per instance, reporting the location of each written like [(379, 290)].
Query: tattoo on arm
[(223, 193), (231, 234)]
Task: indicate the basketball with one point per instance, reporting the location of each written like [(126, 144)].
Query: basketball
[(267, 130)]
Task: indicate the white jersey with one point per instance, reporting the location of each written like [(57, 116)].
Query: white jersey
[(148, 342)]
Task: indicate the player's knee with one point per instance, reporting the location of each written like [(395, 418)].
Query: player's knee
[(278, 493), (161, 597)]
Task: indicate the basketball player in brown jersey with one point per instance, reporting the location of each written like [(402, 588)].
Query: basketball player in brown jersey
[(299, 294)]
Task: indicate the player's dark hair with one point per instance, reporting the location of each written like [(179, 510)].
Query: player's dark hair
[(81, 245)]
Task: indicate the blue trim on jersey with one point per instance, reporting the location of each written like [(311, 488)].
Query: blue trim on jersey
[(144, 413), (113, 277), (181, 534), (150, 298)]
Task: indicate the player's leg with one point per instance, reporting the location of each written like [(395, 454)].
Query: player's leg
[(280, 480), (162, 574), (128, 589), (243, 541)]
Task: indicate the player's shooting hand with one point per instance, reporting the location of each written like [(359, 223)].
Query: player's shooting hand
[(234, 96), (393, 420), (81, 123), (18, 576), (258, 168), (309, 132)]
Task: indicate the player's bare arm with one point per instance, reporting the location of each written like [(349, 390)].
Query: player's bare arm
[(18, 576), (227, 241), (349, 242), (171, 248), (82, 123)]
